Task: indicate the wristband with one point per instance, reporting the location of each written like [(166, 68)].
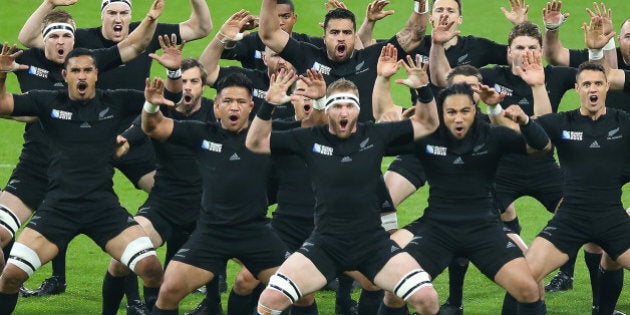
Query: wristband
[(425, 94), (265, 110), (389, 221), (320, 103), (534, 135), (555, 25), (421, 10), (174, 74), (150, 108), (595, 54), (14, 67), (611, 44), (494, 110), (224, 39)]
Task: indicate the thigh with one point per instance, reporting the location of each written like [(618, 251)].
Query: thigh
[(105, 225), (394, 270), (613, 233), (184, 277), (303, 272), (57, 226), (489, 248), (430, 246), (116, 246), (45, 249), (261, 249)]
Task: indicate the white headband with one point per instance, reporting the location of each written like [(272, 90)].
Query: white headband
[(106, 3), (58, 27), (342, 98)]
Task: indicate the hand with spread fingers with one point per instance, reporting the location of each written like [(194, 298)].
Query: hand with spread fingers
[(531, 70), (606, 15), (171, 53), (316, 85), (518, 13), (387, 64), (154, 92), (7, 58), (375, 10), (417, 75), (443, 31), (594, 36), (280, 83), (488, 95), (553, 16)]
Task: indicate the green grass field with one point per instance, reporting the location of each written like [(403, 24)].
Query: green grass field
[(87, 264)]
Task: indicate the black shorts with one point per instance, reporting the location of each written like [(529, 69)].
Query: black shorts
[(162, 224), (367, 253), (139, 161), (101, 225), (546, 187), (409, 167), (257, 247), (29, 179), (568, 232), (485, 244), (292, 230)]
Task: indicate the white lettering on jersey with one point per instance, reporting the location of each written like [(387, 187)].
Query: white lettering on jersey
[(211, 146), (60, 114), (435, 150), (572, 135), (322, 149)]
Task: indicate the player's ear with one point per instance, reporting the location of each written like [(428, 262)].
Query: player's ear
[(63, 74)]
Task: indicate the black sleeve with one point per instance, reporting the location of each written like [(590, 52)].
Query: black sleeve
[(188, 133), (298, 54), (107, 58), (243, 50), (509, 140), (31, 104), (493, 52), (577, 57), (134, 134), (551, 124), (172, 96), (285, 124), (163, 29), (626, 85)]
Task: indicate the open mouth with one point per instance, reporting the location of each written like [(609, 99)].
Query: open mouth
[(233, 118), (307, 107), (60, 52), (118, 28), (593, 98), (459, 130), (341, 50), (188, 99), (82, 87), (343, 123)]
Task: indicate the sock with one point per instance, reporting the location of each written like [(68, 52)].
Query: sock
[(59, 264), (150, 296), (370, 301), (386, 310), (213, 297), (239, 304), (456, 271), (569, 267), (510, 305), (7, 303), (157, 311), (514, 226), (611, 283), (536, 308), (592, 263), (305, 310), (113, 291), (344, 290), (7, 249), (131, 287)]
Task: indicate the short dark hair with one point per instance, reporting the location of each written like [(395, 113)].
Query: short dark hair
[(342, 85), (590, 65), (465, 70), (289, 2), (235, 80), (459, 5), (189, 63), (57, 16), (455, 89), (526, 28), (78, 52), (340, 14)]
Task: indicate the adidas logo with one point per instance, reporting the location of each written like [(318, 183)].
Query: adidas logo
[(346, 159), (235, 157), (510, 245), (594, 145), (458, 161), (393, 249), (86, 125)]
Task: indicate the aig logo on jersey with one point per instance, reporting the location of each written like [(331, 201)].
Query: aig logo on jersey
[(60, 114), (435, 150), (572, 135), (322, 149), (211, 146), (321, 68)]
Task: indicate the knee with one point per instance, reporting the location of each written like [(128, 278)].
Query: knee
[(117, 269), (526, 291), (245, 283), (306, 300), (150, 270), (273, 300), (391, 300), (12, 278), (425, 300)]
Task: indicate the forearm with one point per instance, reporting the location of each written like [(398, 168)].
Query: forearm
[(535, 136), (259, 135), (438, 65), (414, 30), (382, 100), (199, 24), (426, 112), (366, 32), (30, 35), (6, 99), (135, 44), (542, 104), (270, 32), (210, 60), (553, 50)]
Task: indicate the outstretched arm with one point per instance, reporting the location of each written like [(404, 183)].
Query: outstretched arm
[(414, 30), (31, 34), (555, 53), (135, 44), (229, 31), (425, 120), (387, 66), (199, 24), (171, 59), (154, 123), (533, 73), (259, 134), (374, 13), (270, 32), (438, 63), (535, 136), (7, 64), (518, 13)]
